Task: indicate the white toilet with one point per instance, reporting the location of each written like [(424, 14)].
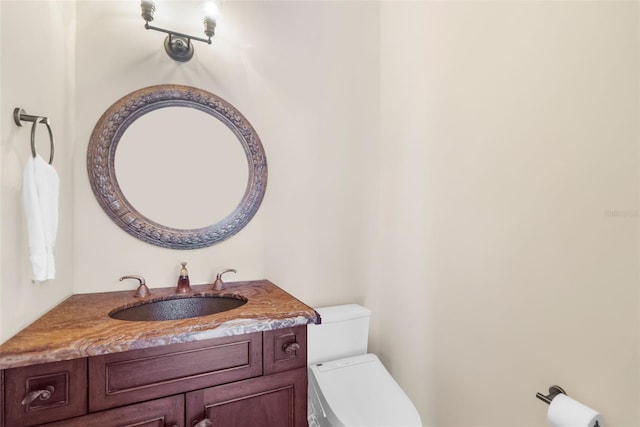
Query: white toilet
[(349, 387)]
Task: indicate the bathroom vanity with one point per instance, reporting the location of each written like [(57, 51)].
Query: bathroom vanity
[(77, 366)]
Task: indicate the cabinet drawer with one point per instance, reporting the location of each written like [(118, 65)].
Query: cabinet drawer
[(167, 412), (47, 392), (285, 349), (278, 400), (133, 376)]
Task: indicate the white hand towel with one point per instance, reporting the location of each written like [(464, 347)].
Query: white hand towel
[(40, 192)]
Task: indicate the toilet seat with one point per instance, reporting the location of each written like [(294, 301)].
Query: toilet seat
[(358, 391)]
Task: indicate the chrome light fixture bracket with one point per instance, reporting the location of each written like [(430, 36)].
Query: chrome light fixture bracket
[(177, 45)]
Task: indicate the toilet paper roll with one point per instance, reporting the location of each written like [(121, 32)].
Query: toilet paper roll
[(566, 412)]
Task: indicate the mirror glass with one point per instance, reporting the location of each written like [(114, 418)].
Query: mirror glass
[(176, 166), (197, 172)]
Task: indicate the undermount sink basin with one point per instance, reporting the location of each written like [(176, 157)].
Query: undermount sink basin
[(177, 308)]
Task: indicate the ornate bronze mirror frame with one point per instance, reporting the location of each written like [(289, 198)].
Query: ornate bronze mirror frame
[(101, 166)]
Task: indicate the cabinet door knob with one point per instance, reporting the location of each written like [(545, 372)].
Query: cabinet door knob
[(38, 394), (203, 423), (291, 347)]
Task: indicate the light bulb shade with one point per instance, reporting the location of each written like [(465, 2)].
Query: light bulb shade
[(147, 8), (209, 26)]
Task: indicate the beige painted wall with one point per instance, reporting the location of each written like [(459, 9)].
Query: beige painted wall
[(509, 207), (37, 45), (468, 170)]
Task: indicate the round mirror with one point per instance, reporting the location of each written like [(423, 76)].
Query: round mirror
[(173, 152), (169, 187)]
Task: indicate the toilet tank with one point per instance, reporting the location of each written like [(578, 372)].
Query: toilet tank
[(344, 332)]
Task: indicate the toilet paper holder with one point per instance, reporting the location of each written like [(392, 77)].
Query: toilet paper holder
[(554, 390)]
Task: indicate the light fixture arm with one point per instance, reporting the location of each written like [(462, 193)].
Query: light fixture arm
[(175, 33)]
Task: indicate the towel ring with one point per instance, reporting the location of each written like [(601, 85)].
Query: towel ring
[(33, 137), (19, 115)]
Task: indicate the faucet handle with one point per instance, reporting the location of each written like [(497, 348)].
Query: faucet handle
[(142, 290), (217, 285)]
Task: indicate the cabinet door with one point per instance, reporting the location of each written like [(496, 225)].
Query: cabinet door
[(167, 412), (278, 400)]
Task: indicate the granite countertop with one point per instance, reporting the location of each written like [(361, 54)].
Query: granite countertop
[(80, 326)]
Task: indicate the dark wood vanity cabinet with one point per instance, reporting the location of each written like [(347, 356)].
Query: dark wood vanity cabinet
[(257, 379)]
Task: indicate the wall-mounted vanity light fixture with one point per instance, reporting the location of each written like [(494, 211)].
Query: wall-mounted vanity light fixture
[(178, 45)]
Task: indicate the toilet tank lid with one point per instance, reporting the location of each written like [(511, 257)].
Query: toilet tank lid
[(339, 313)]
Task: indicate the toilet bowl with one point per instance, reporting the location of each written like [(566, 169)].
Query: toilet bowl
[(349, 387)]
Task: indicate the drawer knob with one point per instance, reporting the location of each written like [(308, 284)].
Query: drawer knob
[(291, 348), (38, 394), (203, 423)]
